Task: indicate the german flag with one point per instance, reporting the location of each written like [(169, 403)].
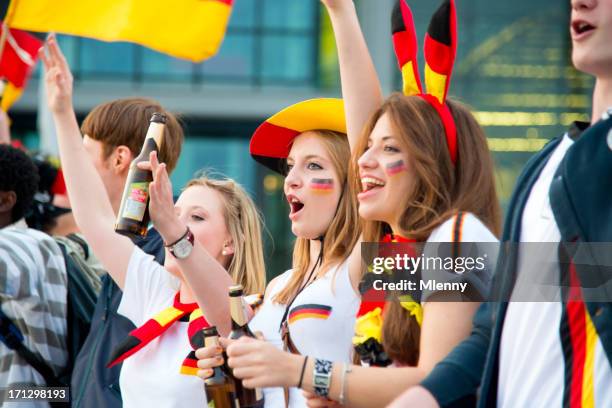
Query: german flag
[(322, 185), (440, 48), (579, 341), (309, 311), (272, 140), (155, 327), (405, 45), (16, 63), (190, 29), (196, 338)]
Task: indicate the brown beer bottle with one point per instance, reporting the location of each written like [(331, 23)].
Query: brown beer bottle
[(220, 386), (133, 217), (247, 397)]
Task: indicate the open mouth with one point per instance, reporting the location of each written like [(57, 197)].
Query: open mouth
[(371, 183), (581, 27), (295, 204)]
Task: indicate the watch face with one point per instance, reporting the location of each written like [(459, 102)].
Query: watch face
[(182, 249)]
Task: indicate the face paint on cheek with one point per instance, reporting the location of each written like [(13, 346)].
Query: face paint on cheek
[(395, 167), (322, 185)]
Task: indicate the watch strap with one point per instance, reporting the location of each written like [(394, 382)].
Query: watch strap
[(188, 235)]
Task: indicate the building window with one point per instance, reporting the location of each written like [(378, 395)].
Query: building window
[(268, 42)]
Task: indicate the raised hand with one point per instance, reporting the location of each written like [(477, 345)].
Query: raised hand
[(161, 203), (58, 78)]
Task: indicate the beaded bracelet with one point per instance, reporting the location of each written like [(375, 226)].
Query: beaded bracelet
[(321, 377)]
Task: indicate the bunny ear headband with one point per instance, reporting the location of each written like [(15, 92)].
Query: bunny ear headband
[(439, 48)]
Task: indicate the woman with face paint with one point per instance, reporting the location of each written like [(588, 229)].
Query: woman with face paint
[(425, 175), (310, 309)]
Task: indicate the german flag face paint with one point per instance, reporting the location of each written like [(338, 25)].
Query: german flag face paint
[(307, 311), (322, 185), (395, 168)]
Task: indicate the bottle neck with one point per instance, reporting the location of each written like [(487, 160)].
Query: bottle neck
[(237, 312), (211, 341), (155, 132)]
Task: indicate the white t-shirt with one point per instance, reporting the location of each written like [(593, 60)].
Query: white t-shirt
[(532, 366), (478, 241), (321, 322), (151, 377)]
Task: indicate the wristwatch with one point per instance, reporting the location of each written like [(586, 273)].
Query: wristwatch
[(182, 247)]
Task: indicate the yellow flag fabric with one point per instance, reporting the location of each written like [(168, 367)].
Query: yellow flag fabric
[(10, 96), (190, 29)]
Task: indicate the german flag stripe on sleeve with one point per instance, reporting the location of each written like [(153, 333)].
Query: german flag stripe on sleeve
[(309, 311)]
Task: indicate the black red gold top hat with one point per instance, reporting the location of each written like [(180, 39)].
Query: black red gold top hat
[(271, 142), (440, 47)]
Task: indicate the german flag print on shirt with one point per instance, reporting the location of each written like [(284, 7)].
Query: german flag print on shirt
[(311, 310)]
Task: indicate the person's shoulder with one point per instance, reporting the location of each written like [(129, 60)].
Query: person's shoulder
[(462, 227), (30, 240), (277, 283)]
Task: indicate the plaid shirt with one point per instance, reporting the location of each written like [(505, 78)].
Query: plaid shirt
[(33, 293)]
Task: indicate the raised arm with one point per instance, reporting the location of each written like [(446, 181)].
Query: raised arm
[(206, 277), (90, 204), (360, 86)]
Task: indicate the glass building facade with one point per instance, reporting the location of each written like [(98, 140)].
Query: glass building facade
[(513, 67)]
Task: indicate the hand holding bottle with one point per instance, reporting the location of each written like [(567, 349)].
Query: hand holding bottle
[(210, 357), (261, 364), (161, 204)]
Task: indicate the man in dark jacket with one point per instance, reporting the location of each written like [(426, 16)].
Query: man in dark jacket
[(549, 353), (113, 135)]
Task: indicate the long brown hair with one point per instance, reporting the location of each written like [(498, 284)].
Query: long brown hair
[(343, 231), (439, 189)]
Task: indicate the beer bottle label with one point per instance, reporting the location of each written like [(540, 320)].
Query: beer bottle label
[(136, 202)]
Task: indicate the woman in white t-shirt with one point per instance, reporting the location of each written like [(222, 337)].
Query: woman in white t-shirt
[(310, 309), (425, 175), (214, 237)]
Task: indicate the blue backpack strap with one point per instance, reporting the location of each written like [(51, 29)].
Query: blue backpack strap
[(12, 337)]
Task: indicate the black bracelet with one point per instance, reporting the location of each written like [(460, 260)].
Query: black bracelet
[(302, 373)]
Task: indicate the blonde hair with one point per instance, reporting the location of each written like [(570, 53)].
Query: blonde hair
[(342, 233), (243, 222)]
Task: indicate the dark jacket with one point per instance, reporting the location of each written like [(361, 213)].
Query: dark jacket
[(581, 200), (93, 384)]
